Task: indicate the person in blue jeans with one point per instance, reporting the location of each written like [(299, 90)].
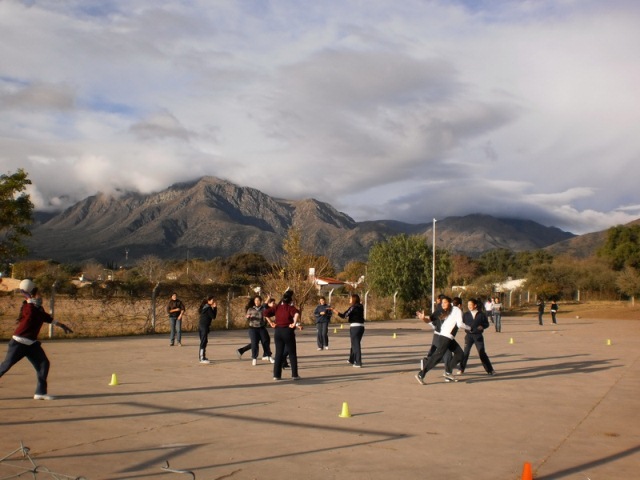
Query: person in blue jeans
[(322, 314), (497, 314), (175, 309)]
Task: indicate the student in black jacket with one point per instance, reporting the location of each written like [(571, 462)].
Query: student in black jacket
[(208, 311), (477, 320)]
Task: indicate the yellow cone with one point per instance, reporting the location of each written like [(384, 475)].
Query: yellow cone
[(345, 411), (511, 341), (114, 380), (342, 325), (394, 335), (608, 341), (335, 330)]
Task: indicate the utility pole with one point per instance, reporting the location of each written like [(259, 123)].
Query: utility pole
[(433, 270)]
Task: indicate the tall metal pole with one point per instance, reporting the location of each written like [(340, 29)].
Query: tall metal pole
[(433, 270)]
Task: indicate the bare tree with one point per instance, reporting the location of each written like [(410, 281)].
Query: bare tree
[(151, 267), (292, 271)]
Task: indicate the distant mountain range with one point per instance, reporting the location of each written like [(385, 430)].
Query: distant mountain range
[(211, 218)]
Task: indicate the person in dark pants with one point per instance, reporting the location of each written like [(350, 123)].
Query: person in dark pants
[(355, 316), (322, 314), (554, 310), (451, 317), (540, 304), (175, 309), (286, 320), (477, 321), (208, 311), (24, 342), (257, 331)]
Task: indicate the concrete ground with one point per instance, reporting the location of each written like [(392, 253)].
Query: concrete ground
[(563, 399)]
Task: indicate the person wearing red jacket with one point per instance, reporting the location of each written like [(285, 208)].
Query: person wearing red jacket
[(24, 342)]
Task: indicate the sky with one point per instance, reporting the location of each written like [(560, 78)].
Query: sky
[(406, 110)]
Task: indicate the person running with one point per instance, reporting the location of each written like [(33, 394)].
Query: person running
[(287, 317), (322, 313), (497, 314), (257, 332), (208, 311), (451, 317), (355, 316), (24, 342), (175, 309), (477, 322)]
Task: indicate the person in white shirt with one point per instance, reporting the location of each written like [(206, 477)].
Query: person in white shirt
[(488, 309), (451, 317)]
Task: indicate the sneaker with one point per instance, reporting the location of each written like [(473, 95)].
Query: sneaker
[(205, 360), (326, 348), (422, 364), (449, 378), (271, 360), (266, 357), (254, 362), (276, 379), (171, 344), (295, 379), (492, 373), (459, 372), (239, 354), (318, 348), (355, 365), (39, 396), (419, 379), (179, 344), (285, 366)]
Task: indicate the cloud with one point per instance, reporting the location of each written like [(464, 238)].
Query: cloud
[(406, 110)]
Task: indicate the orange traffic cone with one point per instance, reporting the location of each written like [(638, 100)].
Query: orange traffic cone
[(526, 471)]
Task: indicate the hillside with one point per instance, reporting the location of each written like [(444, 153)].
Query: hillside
[(211, 217)]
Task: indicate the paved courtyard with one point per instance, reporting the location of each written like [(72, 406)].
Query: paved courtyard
[(563, 399)]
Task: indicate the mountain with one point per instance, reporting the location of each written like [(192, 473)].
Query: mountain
[(211, 217), (582, 246)]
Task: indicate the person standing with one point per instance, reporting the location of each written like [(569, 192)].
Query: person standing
[(322, 313), (477, 322), (24, 342), (257, 331), (355, 316), (287, 317), (497, 314), (208, 311), (175, 309), (554, 310), (488, 308), (451, 317), (540, 304)]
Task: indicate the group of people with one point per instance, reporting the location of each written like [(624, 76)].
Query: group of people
[(446, 320), (284, 318), (553, 308)]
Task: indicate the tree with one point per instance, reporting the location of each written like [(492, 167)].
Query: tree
[(622, 247), (292, 271), (629, 282), (404, 264), (463, 270), (151, 267), (16, 215), (353, 271)]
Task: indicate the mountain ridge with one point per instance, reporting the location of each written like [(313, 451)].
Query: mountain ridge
[(210, 217)]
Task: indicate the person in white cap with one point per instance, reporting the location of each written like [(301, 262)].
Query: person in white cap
[(24, 342)]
